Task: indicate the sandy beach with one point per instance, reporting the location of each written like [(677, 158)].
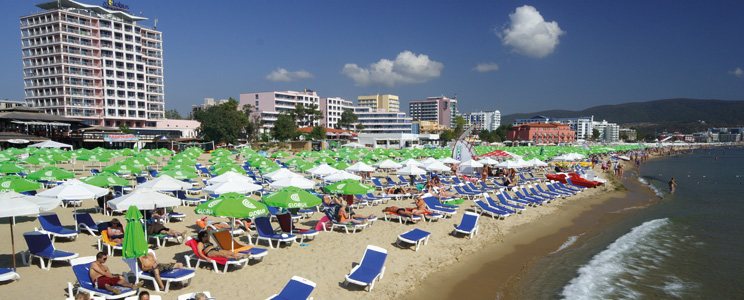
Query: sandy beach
[(445, 261)]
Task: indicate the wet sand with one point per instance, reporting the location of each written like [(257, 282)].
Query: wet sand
[(499, 266)]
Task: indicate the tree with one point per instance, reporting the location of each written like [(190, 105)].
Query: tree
[(640, 135), (447, 135), (595, 134), (494, 137), (254, 122), (173, 115), (459, 125), (624, 137), (318, 133), (285, 128), (484, 135), (299, 113), (222, 123), (501, 131), (314, 114), (125, 129), (348, 117), (360, 127), (306, 116)]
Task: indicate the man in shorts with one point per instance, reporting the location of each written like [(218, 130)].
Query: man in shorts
[(148, 263), (103, 279)]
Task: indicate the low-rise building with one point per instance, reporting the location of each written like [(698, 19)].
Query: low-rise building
[(542, 133), (426, 127)]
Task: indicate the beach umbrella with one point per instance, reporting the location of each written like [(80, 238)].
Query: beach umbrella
[(144, 199), (221, 169), (165, 183), (105, 180), (229, 176), (410, 162), (510, 164), (135, 240), (471, 164), (294, 162), (349, 187), (427, 161), (360, 167), (74, 189), (280, 154), (410, 170), (177, 166), (323, 170), (305, 166), (8, 167), (38, 160), (388, 164), (180, 175), (437, 166), (303, 153), (221, 159), (299, 182), (13, 204), (122, 168), (221, 152), (140, 162), (232, 205), (281, 173), (341, 165), (17, 184), (341, 175), (488, 161), (242, 187), (182, 161), (291, 197)]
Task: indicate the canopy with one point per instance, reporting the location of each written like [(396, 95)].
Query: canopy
[(291, 197), (341, 175), (323, 170), (51, 144), (144, 198), (360, 167), (293, 181), (281, 173), (229, 176), (411, 170), (135, 241), (349, 187), (74, 189), (241, 187), (232, 205), (165, 183)]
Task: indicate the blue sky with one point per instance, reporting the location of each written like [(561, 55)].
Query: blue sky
[(533, 55)]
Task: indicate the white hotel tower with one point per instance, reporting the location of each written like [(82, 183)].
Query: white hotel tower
[(93, 63)]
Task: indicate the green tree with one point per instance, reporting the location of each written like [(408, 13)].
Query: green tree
[(360, 127), (348, 117), (314, 114), (222, 123), (285, 128), (459, 125), (318, 133), (447, 135), (595, 134), (255, 122), (494, 137), (501, 131), (173, 115), (125, 129), (299, 114), (484, 135), (624, 137), (306, 116), (640, 136)]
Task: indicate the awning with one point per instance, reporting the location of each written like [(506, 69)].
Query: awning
[(40, 123)]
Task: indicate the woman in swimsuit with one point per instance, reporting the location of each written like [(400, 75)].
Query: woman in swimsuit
[(115, 231), (207, 249)]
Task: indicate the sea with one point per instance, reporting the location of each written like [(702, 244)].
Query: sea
[(686, 245)]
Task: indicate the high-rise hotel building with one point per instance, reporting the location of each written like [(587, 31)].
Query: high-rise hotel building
[(93, 63)]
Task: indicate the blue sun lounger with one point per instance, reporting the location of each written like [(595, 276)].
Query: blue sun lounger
[(483, 207), (468, 225), (266, 232), (50, 225), (8, 274), (85, 221), (545, 198), (82, 274), (415, 236), (39, 245), (175, 275), (557, 193), (506, 203), (432, 204), (494, 204), (370, 269), (297, 288), (468, 195)]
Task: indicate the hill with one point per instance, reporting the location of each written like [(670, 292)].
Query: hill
[(684, 115)]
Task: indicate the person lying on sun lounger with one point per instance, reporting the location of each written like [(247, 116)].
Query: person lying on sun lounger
[(148, 263), (115, 231), (401, 211), (420, 206), (400, 190), (156, 227), (207, 249), (103, 279), (207, 221), (344, 214)]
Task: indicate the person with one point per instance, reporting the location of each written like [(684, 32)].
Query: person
[(412, 179), (507, 180), (144, 295), (344, 214), (620, 171), (453, 169), (348, 213), (672, 184), (218, 225), (206, 249), (115, 231), (102, 277), (408, 212), (484, 174), (158, 228), (200, 296), (420, 206), (399, 190), (82, 296), (148, 263)]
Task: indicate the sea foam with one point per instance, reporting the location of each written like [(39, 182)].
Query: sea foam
[(652, 187), (571, 240), (629, 254)]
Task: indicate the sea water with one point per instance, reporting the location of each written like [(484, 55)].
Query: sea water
[(686, 245)]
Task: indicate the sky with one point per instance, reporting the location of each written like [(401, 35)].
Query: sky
[(512, 56)]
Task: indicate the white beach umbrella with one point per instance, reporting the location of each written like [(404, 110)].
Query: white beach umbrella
[(229, 176), (353, 145), (537, 163), (410, 162), (437, 166), (510, 164), (299, 182), (165, 183), (411, 170), (323, 170), (488, 161), (427, 161), (360, 167), (388, 164), (241, 187), (281, 173), (74, 189), (449, 160), (471, 164), (569, 157), (14, 204), (145, 199), (341, 175)]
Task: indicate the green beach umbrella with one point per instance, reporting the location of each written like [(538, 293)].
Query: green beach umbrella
[(228, 168), (50, 174), (135, 241), (341, 165), (8, 167), (221, 152), (349, 187), (303, 153), (122, 168), (305, 166), (263, 163), (182, 167), (38, 160), (291, 197), (232, 205), (221, 159), (270, 168), (325, 160), (280, 154), (179, 175), (17, 184), (105, 180), (295, 161)]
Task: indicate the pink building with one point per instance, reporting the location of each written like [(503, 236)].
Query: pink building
[(441, 110), (542, 133)]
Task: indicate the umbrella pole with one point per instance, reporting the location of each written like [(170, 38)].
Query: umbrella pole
[(12, 242), (232, 245)]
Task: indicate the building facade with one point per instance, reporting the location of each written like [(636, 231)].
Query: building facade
[(94, 63), (380, 121), (542, 133), (388, 102), (11, 103), (442, 110), (427, 127), (485, 120), (268, 105), (608, 132), (208, 102), (332, 109)]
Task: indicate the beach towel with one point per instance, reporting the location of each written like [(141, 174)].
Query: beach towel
[(192, 243)]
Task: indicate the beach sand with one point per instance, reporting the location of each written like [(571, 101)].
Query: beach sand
[(331, 256)]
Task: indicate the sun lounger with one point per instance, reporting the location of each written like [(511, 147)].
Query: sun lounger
[(285, 223), (555, 194), (468, 225), (50, 225), (190, 296), (81, 268), (8, 274), (415, 236), (104, 240), (298, 288), (509, 197), (215, 260), (186, 201), (39, 245), (496, 205), (483, 207), (534, 200), (401, 218), (175, 275), (469, 195), (85, 221), (380, 186), (432, 204), (506, 203), (542, 197), (370, 269), (226, 241), (266, 232)]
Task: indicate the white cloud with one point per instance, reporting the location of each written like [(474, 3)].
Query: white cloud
[(282, 74), (738, 72), (529, 34), (486, 67), (407, 68)]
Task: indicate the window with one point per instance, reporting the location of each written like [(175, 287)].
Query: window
[(256, 98)]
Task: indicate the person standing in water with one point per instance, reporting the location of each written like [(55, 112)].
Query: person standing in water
[(672, 184)]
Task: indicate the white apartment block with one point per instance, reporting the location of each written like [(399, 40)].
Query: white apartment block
[(583, 126), (268, 105), (332, 109), (93, 63), (485, 120), (608, 132), (380, 121)]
